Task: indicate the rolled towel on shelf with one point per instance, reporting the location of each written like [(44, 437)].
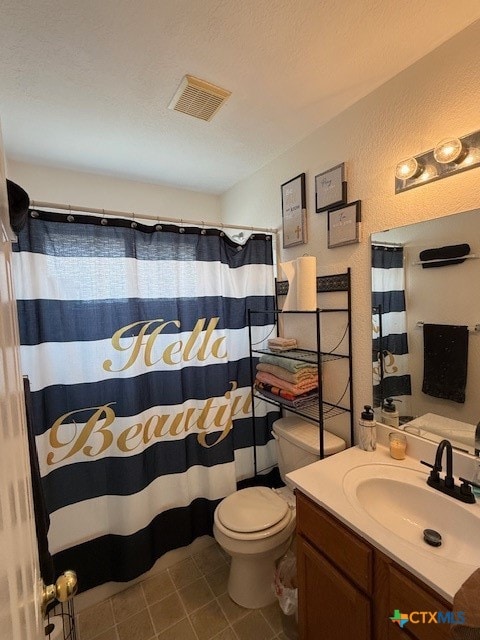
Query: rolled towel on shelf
[(444, 256)]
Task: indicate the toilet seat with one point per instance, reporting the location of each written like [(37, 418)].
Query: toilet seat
[(252, 514)]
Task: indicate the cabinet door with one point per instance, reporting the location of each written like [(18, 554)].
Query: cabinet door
[(395, 589), (330, 606)]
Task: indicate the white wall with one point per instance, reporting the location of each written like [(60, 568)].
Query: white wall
[(97, 191), (437, 97)]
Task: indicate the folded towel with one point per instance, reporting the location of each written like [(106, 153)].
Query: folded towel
[(282, 342), (467, 600), (291, 365), (445, 357), (310, 374), (286, 399), (445, 255), (296, 389)]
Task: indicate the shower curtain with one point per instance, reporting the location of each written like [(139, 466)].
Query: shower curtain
[(391, 376), (135, 343)]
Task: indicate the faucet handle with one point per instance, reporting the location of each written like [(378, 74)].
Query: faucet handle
[(434, 473), (469, 482)]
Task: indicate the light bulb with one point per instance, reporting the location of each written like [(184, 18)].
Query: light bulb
[(449, 150), (472, 157), (429, 172), (409, 168)]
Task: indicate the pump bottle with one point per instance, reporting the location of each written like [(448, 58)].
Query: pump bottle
[(389, 413), (367, 431)]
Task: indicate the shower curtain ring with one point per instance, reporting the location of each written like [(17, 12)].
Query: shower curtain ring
[(203, 231), (158, 226), (70, 218), (133, 224)]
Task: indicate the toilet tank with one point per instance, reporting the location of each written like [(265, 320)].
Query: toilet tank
[(298, 444)]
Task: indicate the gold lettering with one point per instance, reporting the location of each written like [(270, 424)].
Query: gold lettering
[(174, 428), (95, 437), (203, 415), (197, 329), (79, 443), (127, 435), (202, 352), (170, 351), (151, 342)]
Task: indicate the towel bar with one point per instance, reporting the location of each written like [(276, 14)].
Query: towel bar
[(476, 328)]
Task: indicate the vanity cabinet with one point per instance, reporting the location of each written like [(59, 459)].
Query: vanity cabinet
[(347, 589)]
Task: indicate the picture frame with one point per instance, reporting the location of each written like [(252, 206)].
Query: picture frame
[(294, 211), (330, 188), (344, 224)]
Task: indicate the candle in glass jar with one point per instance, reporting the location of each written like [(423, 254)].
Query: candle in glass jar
[(398, 445)]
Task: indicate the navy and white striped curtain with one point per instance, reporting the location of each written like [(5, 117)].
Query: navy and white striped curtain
[(136, 346), (391, 377)]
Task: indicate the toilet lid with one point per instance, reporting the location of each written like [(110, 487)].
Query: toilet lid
[(252, 509)]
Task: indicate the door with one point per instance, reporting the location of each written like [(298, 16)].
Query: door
[(20, 583)]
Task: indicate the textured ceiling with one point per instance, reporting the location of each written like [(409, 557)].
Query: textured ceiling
[(85, 84)]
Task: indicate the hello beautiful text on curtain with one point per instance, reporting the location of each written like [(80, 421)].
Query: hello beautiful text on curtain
[(135, 342), (391, 377)]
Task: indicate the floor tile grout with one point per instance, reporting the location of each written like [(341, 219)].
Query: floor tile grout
[(204, 569)]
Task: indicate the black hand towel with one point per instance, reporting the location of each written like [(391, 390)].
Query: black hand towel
[(451, 254), (445, 356)]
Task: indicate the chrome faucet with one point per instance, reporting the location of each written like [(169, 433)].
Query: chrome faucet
[(447, 484)]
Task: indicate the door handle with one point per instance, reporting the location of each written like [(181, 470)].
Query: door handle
[(64, 589)]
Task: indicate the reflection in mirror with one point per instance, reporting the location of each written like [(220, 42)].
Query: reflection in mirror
[(426, 326)]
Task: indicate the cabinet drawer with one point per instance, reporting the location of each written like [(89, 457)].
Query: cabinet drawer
[(346, 550)]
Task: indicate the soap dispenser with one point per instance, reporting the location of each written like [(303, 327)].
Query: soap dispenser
[(367, 431), (389, 413)]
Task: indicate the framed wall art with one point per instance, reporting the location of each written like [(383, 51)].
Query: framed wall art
[(294, 211), (330, 188), (344, 225)]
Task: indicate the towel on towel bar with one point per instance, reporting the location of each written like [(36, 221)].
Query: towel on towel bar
[(445, 357), (452, 254)]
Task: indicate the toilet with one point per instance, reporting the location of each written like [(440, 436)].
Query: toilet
[(255, 525)]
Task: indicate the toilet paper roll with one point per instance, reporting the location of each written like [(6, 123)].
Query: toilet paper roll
[(290, 271), (302, 284), (306, 290)]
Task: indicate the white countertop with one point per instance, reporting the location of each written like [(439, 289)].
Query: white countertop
[(323, 482)]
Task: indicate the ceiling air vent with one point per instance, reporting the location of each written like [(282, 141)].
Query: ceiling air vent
[(198, 98)]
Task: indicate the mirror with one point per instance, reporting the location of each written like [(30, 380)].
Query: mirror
[(433, 373)]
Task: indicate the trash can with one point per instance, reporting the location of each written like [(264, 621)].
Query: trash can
[(285, 588)]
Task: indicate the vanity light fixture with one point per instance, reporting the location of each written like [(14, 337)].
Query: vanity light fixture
[(450, 156)]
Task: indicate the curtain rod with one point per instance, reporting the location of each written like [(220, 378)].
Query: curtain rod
[(108, 212), (380, 243)]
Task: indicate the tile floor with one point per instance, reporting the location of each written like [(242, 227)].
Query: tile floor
[(188, 601)]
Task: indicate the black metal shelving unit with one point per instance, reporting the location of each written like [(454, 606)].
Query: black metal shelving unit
[(321, 410)]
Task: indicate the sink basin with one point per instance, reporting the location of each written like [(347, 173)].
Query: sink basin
[(399, 499)]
